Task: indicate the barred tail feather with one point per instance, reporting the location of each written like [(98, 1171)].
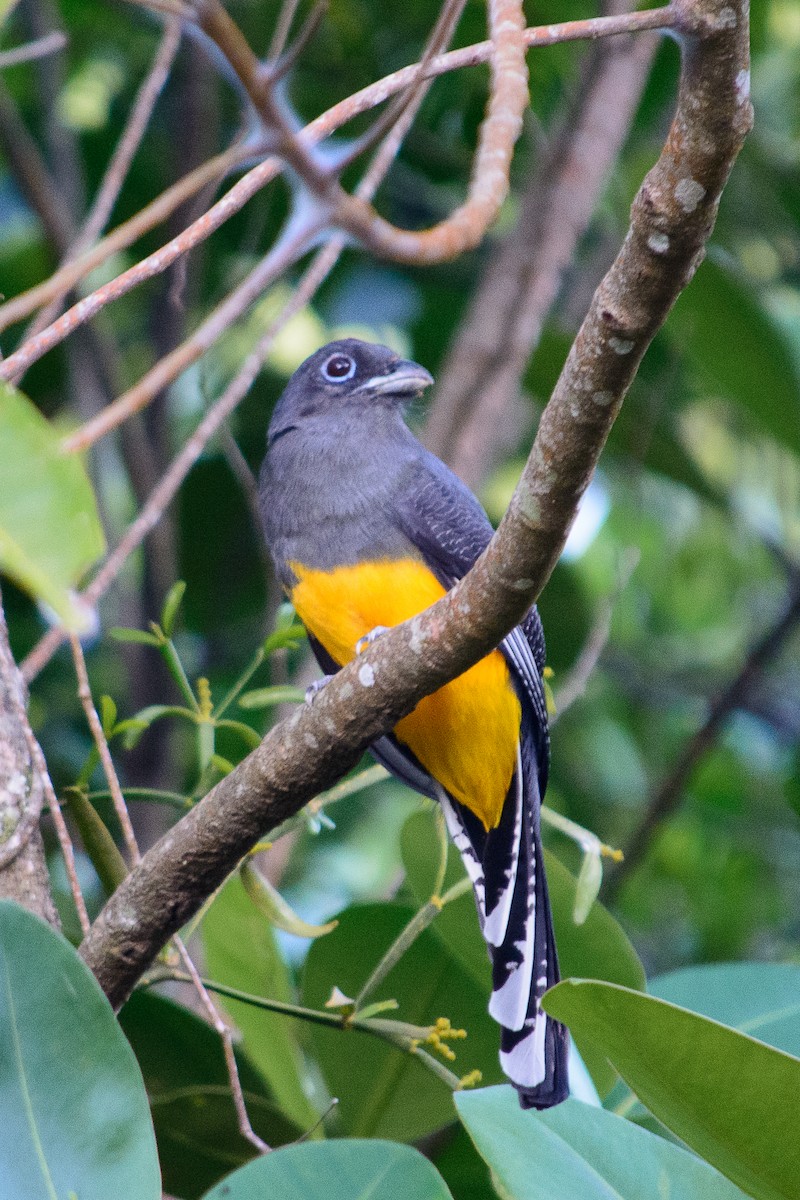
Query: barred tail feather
[(507, 871)]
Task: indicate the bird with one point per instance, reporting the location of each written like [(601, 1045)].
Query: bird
[(367, 528)]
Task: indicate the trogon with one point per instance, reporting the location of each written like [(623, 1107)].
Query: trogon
[(367, 529)]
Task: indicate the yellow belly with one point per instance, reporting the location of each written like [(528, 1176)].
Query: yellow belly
[(465, 735)]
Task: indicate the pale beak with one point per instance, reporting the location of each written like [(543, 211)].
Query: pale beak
[(406, 378)]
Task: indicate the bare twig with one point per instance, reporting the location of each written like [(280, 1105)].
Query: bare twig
[(32, 174), (109, 770), (574, 683), (671, 219), (226, 1037), (39, 48), (68, 275), (669, 795)]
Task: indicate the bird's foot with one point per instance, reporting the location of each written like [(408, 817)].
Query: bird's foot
[(315, 687), (369, 638)]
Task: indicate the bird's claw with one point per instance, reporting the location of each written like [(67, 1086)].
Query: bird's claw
[(369, 638), (315, 687)]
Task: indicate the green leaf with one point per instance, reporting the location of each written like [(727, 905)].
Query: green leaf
[(752, 363), (140, 636), (336, 1170), (171, 605), (578, 1150), (731, 1098), (245, 732), (73, 1108), (278, 912), (240, 951), (108, 715), (183, 1064), (267, 697), (384, 1091), (761, 999), (49, 529), (598, 948), (284, 639)]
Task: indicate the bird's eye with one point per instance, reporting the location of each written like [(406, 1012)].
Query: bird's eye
[(338, 368)]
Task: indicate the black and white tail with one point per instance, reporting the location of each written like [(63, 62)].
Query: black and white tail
[(507, 872)]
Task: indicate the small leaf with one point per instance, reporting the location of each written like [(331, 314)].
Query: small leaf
[(338, 1000), (729, 1097), (108, 715), (49, 528), (171, 605), (100, 846), (271, 903), (587, 887), (245, 732), (267, 697), (341, 1169), (139, 636), (284, 639)]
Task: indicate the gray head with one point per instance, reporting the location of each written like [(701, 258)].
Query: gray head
[(344, 378)]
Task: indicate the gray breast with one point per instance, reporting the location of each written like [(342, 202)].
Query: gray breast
[(328, 501)]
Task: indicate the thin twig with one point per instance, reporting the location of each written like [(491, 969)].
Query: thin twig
[(226, 1037), (109, 770), (51, 43), (575, 681), (67, 276), (669, 795)]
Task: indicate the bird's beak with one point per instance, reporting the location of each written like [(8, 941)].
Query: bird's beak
[(405, 378)]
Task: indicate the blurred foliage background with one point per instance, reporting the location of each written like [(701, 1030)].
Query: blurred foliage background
[(685, 555)]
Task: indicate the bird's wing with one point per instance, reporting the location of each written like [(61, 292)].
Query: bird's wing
[(440, 516), (444, 521)]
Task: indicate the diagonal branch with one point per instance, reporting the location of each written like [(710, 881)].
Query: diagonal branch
[(669, 795), (671, 220)]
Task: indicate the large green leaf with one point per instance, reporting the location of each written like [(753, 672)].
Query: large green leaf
[(184, 1070), (577, 1150), (338, 1170), (598, 948), (384, 1091), (762, 999), (49, 528), (73, 1109), (731, 1098), (736, 350), (241, 952)]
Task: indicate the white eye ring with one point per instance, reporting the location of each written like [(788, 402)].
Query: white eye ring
[(339, 368)]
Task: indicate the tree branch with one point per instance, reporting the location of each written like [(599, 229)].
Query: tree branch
[(23, 870), (671, 219)]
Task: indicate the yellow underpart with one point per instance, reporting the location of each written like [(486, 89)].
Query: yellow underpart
[(465, 735)]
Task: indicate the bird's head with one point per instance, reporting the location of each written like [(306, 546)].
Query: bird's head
[(346, 375)]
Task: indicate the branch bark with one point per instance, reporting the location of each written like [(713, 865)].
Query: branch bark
[(671, 220), (23, 870)]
